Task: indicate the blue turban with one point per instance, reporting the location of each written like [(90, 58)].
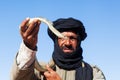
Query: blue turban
[(66, 24)]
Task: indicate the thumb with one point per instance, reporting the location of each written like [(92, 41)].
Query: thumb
[(49, 68)]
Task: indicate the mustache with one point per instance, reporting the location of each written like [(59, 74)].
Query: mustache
[(67, 47)]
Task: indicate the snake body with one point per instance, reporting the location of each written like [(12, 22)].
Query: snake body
[(50, 25), (38, 66)]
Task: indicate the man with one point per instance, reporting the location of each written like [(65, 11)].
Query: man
[(67, 55)]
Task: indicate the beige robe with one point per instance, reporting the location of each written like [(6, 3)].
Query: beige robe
[(32, 74)]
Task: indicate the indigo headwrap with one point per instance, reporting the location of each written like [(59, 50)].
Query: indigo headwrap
[(65, 24)]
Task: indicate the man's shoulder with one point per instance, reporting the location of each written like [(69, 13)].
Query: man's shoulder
[(97, 73), (94, 67)]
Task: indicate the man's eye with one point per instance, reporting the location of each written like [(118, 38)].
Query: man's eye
[(73, 38)]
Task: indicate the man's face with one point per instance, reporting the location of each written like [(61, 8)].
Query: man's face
[(68, 45)]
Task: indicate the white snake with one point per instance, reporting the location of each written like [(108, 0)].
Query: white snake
[(56, 32), (50, 25)]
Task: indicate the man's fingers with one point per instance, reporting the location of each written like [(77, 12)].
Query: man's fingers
[(32, 28), (36, 30), (23, 25), (51, 74), (34, 33), (49, 69), (47, 74)]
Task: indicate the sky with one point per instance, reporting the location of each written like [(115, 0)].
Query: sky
[(101, 19)]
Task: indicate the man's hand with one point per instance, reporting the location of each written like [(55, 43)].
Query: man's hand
[(51, 74), (29, 32)]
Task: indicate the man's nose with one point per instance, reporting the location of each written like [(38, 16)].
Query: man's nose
[(67, 41)]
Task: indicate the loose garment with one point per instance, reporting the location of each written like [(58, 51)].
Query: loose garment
[(24, 68), (32, 74)]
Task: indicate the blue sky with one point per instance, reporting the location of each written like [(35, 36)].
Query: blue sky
[(101, 19)]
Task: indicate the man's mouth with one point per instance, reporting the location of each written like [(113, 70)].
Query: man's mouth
[(67, 49)]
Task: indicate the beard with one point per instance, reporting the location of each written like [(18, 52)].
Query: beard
[(67, 61)]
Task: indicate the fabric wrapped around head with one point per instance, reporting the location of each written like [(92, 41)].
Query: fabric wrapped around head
[(66, 24)]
